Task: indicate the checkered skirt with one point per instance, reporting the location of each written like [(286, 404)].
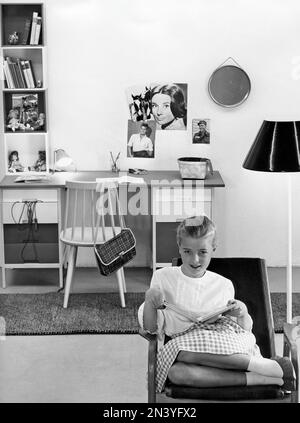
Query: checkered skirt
[(221, 337)]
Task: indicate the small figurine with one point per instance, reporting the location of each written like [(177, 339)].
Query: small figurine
[(39, 83), (13, 38), (41, 120), (40, 164), (14, 164), (37, 122), (13, 120)]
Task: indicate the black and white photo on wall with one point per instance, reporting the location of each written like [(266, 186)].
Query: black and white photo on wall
[(166, 103), (201, 131), (138, 99), (169, 106), (141, 139)]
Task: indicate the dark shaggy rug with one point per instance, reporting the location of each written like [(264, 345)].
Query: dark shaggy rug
[(278, 300), (43, 314)]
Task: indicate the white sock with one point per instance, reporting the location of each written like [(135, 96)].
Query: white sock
[(265, 366), (256, 379)]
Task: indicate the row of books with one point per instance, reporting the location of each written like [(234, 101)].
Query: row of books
[(32, 30), (18, 73)]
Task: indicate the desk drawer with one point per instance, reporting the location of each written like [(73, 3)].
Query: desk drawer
[(12, 195), (13, 203), (175, 212), (45, 212), (171, 194), (172, 204)]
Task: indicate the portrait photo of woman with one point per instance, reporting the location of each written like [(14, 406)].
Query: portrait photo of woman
[(169, 106)]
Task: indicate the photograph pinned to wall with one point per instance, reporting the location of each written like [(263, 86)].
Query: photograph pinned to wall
[(169, 105), (138, 99), (141, 139), (201, 131)]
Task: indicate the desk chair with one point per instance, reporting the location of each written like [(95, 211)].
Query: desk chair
[(85, 224), (249, 278)]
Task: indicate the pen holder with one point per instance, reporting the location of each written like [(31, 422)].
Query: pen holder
[(114, 168)]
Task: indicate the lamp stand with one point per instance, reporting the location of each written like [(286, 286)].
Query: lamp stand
[(289, 270), (54, 160)]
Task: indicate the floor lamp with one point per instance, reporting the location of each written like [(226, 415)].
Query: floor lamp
[(276, 148)]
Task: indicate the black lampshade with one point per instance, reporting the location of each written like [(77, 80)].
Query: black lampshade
[(276, 148)]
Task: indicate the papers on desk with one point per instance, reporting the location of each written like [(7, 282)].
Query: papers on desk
[(125, 179), (32, 178)]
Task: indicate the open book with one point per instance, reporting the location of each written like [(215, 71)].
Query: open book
[(32, 178), (196, 318)]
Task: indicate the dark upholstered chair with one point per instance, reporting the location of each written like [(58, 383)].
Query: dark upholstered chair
[(249, 278)]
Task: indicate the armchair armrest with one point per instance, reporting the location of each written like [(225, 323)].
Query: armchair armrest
[(152, 355), (290, 346), (148, 336)]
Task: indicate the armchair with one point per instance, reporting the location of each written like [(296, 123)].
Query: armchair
[(249, 277)]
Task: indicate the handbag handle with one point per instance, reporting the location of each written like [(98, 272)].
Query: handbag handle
[(112, 220), (111, 192), (120, 211)]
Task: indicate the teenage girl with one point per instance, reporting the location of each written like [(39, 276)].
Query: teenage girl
[(219, 352)]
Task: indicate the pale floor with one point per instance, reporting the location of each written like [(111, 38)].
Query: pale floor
[(83, 368)]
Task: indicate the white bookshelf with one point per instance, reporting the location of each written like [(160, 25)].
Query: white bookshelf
[(31, 134)]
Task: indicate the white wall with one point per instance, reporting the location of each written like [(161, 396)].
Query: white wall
[(98, 48)]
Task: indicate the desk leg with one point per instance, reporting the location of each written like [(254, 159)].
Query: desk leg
[(2, 258), (3, 277), (153, 243), (60, 246), (212, 204)]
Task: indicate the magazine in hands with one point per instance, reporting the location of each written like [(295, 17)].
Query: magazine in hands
[(196, 318)]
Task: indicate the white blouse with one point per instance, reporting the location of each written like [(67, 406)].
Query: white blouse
[(198, 295)]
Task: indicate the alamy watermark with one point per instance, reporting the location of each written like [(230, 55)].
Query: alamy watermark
[(160, 198)]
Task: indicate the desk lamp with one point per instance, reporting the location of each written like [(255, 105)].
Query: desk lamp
[(276, 148), (63, 162)]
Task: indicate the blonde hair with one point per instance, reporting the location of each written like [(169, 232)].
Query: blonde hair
[(197, 227)]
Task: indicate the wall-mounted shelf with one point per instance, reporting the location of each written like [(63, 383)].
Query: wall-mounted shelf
[(24, 88)]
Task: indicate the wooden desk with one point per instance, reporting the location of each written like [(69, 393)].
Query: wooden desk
[(162, 185), (58, 179)]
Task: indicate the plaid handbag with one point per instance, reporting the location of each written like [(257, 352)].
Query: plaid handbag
[(114, 253)]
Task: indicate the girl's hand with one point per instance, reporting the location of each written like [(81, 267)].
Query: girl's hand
[(213, 319), (239, 309), (155, 297)]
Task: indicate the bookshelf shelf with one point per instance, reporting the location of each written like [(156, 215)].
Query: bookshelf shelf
[(23, 86), (11, 90), (25, 47), (23, 133)]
